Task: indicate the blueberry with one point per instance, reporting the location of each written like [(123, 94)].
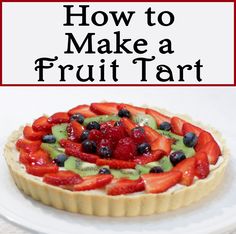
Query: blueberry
[(49, 139), (124, 113), (78, 117), (89, 146), (118, 123), (84, 135), (104, 171), (177, 157), (93, 125), (156, 169), (144, 148), (105, 152), (165, 126), (60, 160), (190, 139)]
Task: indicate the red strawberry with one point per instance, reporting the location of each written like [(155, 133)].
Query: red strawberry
[(212, 150), (62, 178), (128, 125), (202, 165), (147, 158), (39, 157), (151, 134), (160, 118), (93, 182), (106, 108), (114, 134), (116, 164), (83, 110), (42, 169), (70, 144), (74, 130), (59, 117), (203, 138), (27, 145), (187, 127), (125, 149), (162, 143), (32, 135), (105, 126), (187, 167), (105, 143), (42, 124), (95, 135), (24, 157), (138, 135), (134, 110), (125, 186), (177, 125), (160, 182), (92, 158)]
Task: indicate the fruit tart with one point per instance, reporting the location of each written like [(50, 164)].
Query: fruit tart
[(116, 159)]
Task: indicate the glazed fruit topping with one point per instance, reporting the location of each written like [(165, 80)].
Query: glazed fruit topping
[(119, 147), (62, 178), (176, 157), (190, 139)]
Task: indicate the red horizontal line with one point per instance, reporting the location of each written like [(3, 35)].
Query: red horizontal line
[(115, 85), (122, 1)]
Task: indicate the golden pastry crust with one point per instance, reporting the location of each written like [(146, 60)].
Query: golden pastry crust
[(100, 204)]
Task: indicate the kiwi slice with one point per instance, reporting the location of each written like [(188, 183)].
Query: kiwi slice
[(82, 168), (53, 149), (144, 169), (179, 145), (144, 119), (101, 119), (125, 173), (169, 134), (166, 164), (59, 131)]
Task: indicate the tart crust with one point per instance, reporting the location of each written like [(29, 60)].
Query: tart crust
[(98, 203)]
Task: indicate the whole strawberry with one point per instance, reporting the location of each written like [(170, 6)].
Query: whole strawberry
[(114, 134), (138, 135), (125, 149)]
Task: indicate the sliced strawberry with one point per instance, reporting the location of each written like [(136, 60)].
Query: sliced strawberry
[(95, 135), (128, 125), (187, 127), (42, 124), (147, 158), (162, 143), (160, 118), (160, 182), (151, 134), (203, 138), (106, 108), (125, 186), (59, 117), (202, 165), (32, 135), (27, 145), (24, 157), (93, 182), (92, 158), (70, 144), (62, 178), (187, 167), (134, 110), (212, 150), (177, 125), (138, 135), (114, 163), (42, 169), (39, 157), (74, 130), (83, 110)]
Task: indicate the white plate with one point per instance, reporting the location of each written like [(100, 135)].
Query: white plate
[(214, 214)]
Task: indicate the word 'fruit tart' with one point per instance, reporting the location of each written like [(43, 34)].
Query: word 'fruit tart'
[(112, 159)]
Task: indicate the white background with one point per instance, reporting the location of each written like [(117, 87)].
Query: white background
[(200, 31)]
